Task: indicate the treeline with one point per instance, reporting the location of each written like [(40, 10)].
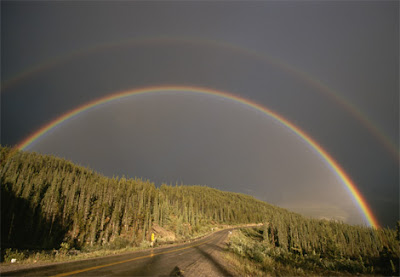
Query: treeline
[(296, 234), (47, 200), (295, 246)]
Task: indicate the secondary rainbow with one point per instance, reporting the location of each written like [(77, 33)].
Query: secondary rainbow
[(200, 90), (320, 87)]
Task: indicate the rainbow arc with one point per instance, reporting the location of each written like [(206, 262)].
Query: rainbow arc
[(320, 87), (334, 166)]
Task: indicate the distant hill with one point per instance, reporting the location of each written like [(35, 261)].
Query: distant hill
[(47, 200)]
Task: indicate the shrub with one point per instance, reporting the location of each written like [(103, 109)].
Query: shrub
[(64, 247), (144, 244), (119, 243), (13, 254)]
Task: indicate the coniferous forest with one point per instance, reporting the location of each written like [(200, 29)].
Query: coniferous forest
[(47, 201)]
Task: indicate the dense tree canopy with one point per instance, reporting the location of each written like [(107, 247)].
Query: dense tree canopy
[(47, 200), (53, 200)]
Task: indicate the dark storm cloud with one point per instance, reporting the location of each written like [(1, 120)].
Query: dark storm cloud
[(352, 47)]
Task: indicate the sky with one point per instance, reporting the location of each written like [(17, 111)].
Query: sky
[(331, 68)]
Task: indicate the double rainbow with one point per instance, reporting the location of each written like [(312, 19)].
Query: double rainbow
[(206, 91), (320, 87)]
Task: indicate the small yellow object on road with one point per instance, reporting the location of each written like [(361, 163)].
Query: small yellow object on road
[(152, 237)]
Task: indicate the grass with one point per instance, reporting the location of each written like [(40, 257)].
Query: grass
[(50, 256), (118, 246), (249, 255)]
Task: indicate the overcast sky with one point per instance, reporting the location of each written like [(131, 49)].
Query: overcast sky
[(329, 67)]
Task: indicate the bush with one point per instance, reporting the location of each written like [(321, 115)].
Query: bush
[(144, 244), (64, 247), (13, 254), (119, 243)]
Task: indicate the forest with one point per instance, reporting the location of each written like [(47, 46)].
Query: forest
[(48, 201), (299, 247)]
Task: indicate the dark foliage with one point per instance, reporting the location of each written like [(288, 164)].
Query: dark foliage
[(53, 200), (46, 201)]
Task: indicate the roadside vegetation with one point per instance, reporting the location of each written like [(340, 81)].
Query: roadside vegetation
[(63, 254), (50, 203), (54, 210), (323, 248), (119, 246)]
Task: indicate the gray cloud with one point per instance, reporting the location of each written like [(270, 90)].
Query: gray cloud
[(350, 46)]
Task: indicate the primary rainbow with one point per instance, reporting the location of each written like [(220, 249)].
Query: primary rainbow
[(329, 160), (320, 87)]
